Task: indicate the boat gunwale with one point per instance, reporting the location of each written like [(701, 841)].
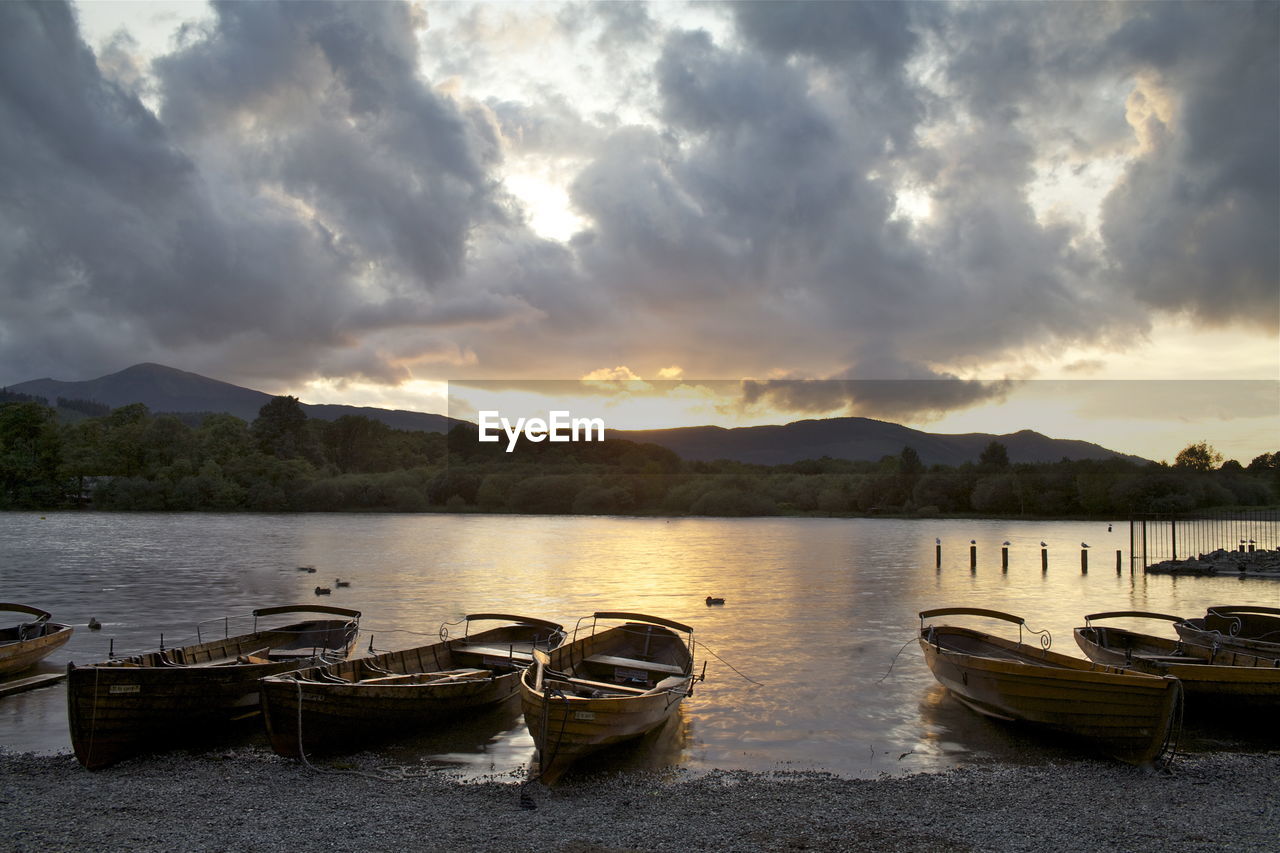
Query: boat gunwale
[(13, 607)]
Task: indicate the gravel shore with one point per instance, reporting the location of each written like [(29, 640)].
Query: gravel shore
[(253, 801)]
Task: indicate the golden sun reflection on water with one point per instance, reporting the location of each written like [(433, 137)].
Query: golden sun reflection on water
[(811, 662)]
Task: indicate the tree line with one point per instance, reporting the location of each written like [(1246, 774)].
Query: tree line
[(129, 458)]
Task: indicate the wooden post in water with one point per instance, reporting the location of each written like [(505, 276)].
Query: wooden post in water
[(937, 548), (1044, 558), (1118, 562), (973, 557), (1084, 561), (1004, 558)]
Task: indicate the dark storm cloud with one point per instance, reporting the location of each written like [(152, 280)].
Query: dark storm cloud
[(340, 120), (1193, 225), (893, 399), (304, 201), (298, 182)]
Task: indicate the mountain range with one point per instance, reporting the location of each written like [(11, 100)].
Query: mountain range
[(166, 389), (859, 438)]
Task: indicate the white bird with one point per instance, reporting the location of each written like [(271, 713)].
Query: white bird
[(1084, 544)]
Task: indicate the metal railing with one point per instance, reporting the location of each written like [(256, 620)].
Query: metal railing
[(1156, 537)]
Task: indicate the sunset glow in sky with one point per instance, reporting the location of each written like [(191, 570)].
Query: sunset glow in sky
[(361, 202)]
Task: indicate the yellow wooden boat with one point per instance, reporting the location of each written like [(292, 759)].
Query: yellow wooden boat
[(160, 698), (609, 684), (1210, 674), (28, 642), (1245, 627), (1129, 715), (354, 702)]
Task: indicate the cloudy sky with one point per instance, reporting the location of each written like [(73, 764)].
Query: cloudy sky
[(355, 202)]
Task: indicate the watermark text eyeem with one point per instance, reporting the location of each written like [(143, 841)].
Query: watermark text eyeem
[(560, 426)]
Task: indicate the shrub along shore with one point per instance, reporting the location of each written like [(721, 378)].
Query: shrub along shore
[(131, 459)]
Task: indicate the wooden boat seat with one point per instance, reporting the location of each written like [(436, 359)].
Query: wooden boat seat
[(602, 685), (517, 655), (430, 677), (632, 663)]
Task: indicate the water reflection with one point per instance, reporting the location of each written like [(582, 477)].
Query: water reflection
[(820, 612)]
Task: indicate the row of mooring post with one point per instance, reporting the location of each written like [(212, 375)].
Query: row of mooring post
[(1004, 557)]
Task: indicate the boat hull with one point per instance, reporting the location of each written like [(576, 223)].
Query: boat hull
[(1127, 715), (1206, 673), (160, 699), (567, 728), (21, 655), (336, 717), (1252, 630), (608, 687), (117, 712), (396, 693)]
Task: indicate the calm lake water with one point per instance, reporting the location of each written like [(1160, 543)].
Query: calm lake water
[(811, 663)]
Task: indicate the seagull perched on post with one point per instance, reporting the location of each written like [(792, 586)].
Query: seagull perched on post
[(1042, 544), (1084, 544)]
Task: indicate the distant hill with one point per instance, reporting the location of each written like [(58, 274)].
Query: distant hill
[(166, 389), (857, 438)]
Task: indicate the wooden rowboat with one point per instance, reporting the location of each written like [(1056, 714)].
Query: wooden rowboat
[(161, 698), (28, 642), (610, 684), (1247, 628), (357, 701), (1129, 715), (1206, 672)]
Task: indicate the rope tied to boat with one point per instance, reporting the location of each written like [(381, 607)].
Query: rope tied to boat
[(544, 760), (745, 677), (896, 654), (1173, 735)]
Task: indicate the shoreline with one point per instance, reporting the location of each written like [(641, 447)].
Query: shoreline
[(253, 800)]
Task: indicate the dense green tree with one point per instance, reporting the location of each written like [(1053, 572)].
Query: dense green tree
[(30, 456), (909, 462), (996, 455), (998, 494), (357, 443), (1197, 457), (1265, 462), (224, 439), (280, 430), (124, 447)]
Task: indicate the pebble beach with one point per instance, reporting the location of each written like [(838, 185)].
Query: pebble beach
[(251, 800)]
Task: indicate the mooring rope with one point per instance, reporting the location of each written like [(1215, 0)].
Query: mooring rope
[(894, 662), (1174, 733), (744, 676)]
